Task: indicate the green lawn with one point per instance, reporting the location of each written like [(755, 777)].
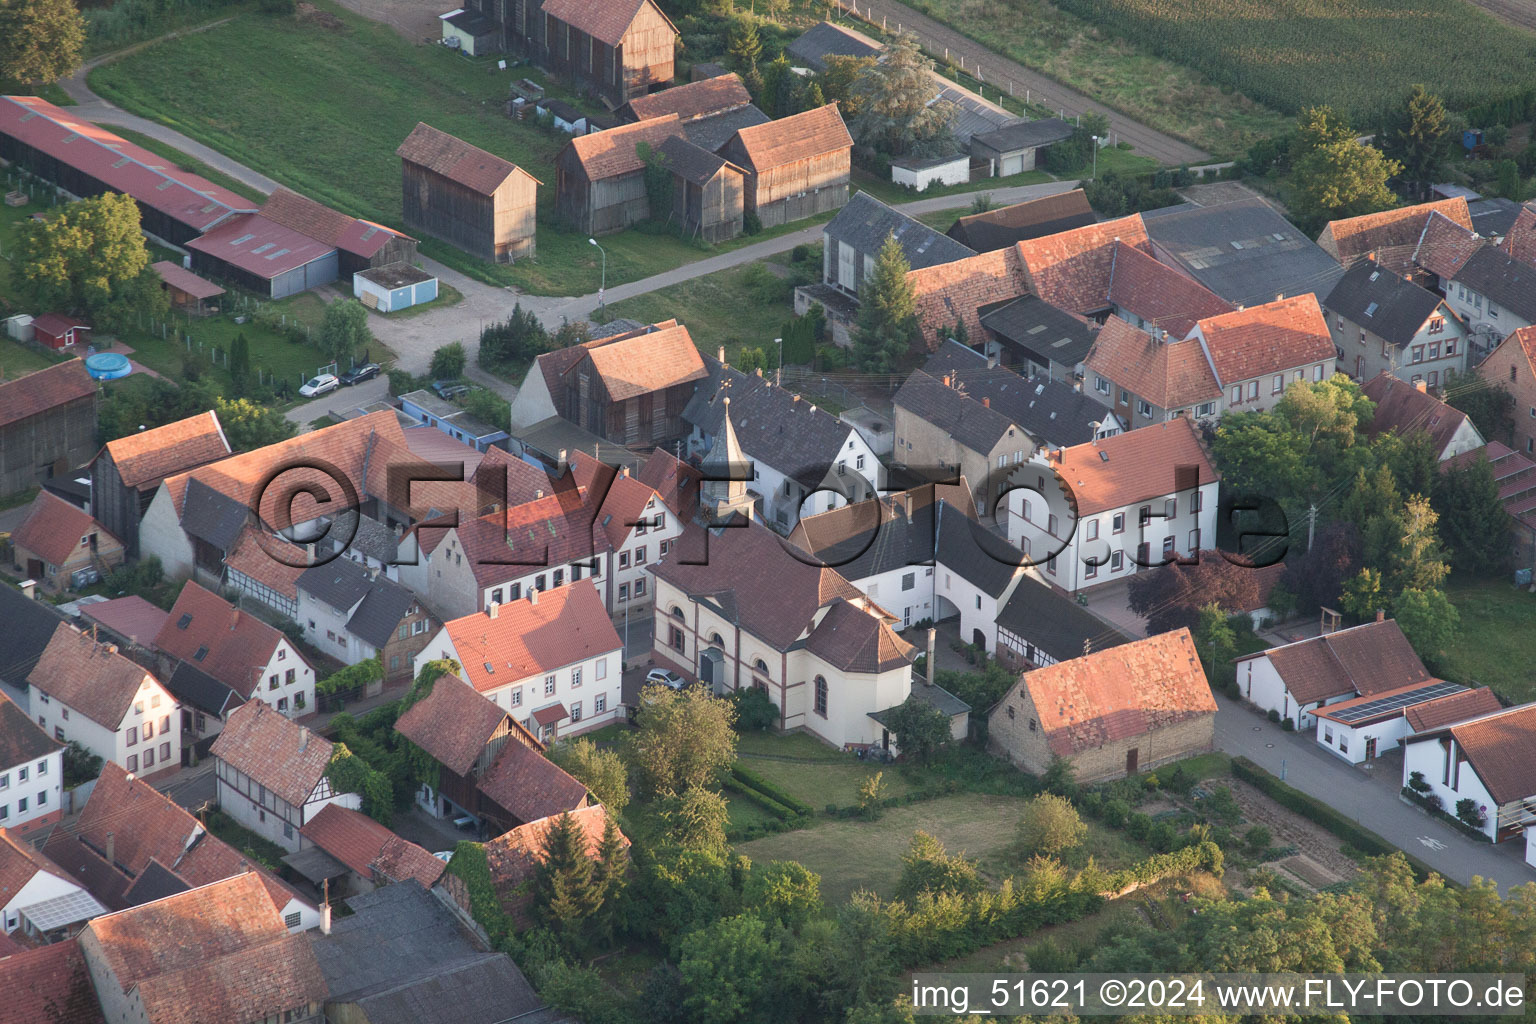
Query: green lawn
[(823, 782), (1498, 622), (855, 854), (189, 163)]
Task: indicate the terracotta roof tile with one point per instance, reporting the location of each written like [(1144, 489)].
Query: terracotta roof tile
[(331, 227), (1359, 661), (611, 153), (956, 291), (19, 862), (1159, 294), (235, 644), (92, 678), (676, 482), (1008, 225), (44, 389), (457, 160), (49, 984), (603, 20), (647, 363), (850, 638), (54, 529), (1502, 749), (514, 856), (1073, 269), (146, 458), (1119, 693), (370, 849), (251, 556), (1392, 234), (625, 498), (796, 137), (694, 100), (453, 724), (529, 785), (21, 739), (1458, 707), (1169, 374), (1445, 246), (279, 753), (1141, 464), (565, 625), (552, 530), (255, 984), (1276, 336), (1520, 240)]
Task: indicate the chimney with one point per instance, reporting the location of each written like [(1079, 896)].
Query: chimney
[(533, 595), (623, 471), (986, 403), (29, 589), (1381, 615), (234, 620), (1279, 296), (932, 635), (492, 610), (948, 381), (1077, 385), (813, 408), (562, 457), (1421, 387), (720, 355), (111, 846), (111, 648), (539, 493), (325, 908)]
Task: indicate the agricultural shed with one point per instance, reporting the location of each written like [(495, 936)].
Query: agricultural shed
[(797, 167), (467, 197)]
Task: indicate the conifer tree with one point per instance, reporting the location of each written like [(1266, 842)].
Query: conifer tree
[(565, 894), (888, 324)]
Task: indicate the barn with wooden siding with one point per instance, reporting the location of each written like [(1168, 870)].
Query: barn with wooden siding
[(47, 425), (709, 191), (797, 166), (128, 471), (362, 244), (600, 179), (470, 198), (691, 102), (614, 49), (632, 389)]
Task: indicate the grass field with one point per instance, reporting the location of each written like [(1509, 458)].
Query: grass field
[(1493, 649), (819, 775)]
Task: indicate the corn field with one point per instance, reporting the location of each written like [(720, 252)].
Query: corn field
[(1359, 56)]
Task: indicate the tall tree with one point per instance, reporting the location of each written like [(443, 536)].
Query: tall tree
[(837, 82), (888, 325), (898, 113), (920, 729), (88, 258), (744, 45), (1416, 136), (1428, 619), (248, 426), (1490, 406), (1170, 596), (695, 820), (728, 969), (1418, 563), (609, 876), (1050, 825), (344, 330), (240, 362), (1343, 179), (601, 771), (40, 40), (682, 740), (1317, 127), (1215, 642), (1473, 521), (783, 892), (565, 894)]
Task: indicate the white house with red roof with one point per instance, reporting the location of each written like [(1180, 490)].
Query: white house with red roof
[(31, 772), (550, 658), (1108, 509), (640, 527), (1489, 760)]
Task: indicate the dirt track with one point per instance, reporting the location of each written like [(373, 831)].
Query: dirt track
[(1521, 13)]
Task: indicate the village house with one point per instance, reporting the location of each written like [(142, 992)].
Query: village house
[(353, 615), (632, 389), (1512, 366), (132, 844), (1109, 509), (1487, 760), (522, 785), (38, 899), (1516, 476), (1007, 226), (709, 192), (1361, 728), (600, 179), (613, 49), (549, 657), (640, 527), (265, 569), (1392, 237), (1256, 353), (825, 654), (47, 425), (803, 458), (254, 660), (1383, 323), (1109, 713), (1520, 240), (797, 167), (62, 548), (1495, 295), (362, 853), (940, 429), (1039, 626), (30, 623), (49, 981), (466, 196), (127, 472), (232, 959), (710, 111), (1038, 338), (514, 857), (86, 691), (1296, 679), (1405, 409), (31, 774), (273, 775)]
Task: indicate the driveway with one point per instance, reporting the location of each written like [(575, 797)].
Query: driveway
[(1369, 796)]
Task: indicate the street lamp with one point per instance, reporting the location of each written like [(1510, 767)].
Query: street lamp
[(1095, 175), (604, 286), (779, 377)]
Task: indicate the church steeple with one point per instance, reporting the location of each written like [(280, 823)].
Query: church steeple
[(724, 493)]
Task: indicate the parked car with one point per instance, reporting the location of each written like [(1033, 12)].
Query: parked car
[(449, 388), (666, 677), (358, 374), (319, 385)]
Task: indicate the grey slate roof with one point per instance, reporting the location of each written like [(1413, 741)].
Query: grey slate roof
[(472, 22), (614, 327), (1052, 412), (191, 685), (975, 553), (825, 40), (1493, 217), (1508, 282), (711, 133), (773, 426), (212, 516), (936, 697), (1025, 135), (1054, 622), (1049, 333), (155, 882), (29, 625), (865, 223), (375, 540), (342, 583), (690, 162), (1034, 218), (974, 116), (1200, 241), (968, 422), (1381, 302), (852, 541)]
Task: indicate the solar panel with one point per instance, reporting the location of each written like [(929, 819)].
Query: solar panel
[(1396, 703)]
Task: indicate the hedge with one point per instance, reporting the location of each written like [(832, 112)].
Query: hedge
[(751, 780), (1437, 810), (764, 801)]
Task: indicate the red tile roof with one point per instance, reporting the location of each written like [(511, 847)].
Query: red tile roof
[(1502, 750), (57, 325), (1072, 269), (130, 617), (1445, 246), (951, 292), (1392, 234), (514, 856), (1141, 465), (454, 723), (611, 153), (676, 482), (549, 531), (527, 637), (1359, 661), (184, 280), (604, 20), (329, 227), (92, 678), (1120, 693), (645, 363), (21, 739), (1169, 374), (1458, 707), (810, 133), (260, 245), (281, 754), (624, 497), (49, 984), (252, 556), (1162, 296), (855, 640), (57, 531), (43, 390), (236, 646), (146, 458), (1271, 338), (258, 983), (370, 849), (1520, 240), (19, 863), (695, 100), (457, 160), (529, 785)]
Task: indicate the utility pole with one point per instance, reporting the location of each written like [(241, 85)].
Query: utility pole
[(1311, 524)]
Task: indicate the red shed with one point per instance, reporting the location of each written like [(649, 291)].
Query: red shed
[(58, 331)]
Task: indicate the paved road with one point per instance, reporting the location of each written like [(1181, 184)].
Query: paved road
[(938, 38), (1369, 797)]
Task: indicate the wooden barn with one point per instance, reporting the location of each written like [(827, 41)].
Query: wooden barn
[(47, 425), (127, 472), (466, 196), (614, 49), (600, 179), (708, 192), (361, 244), (632, 389), (797, 166), (186, 290)]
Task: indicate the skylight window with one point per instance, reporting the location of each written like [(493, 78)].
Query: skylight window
[(1372, 308), (202, 652), (184, 622)]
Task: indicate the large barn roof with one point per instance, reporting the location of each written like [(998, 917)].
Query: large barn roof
[(457, 160)]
